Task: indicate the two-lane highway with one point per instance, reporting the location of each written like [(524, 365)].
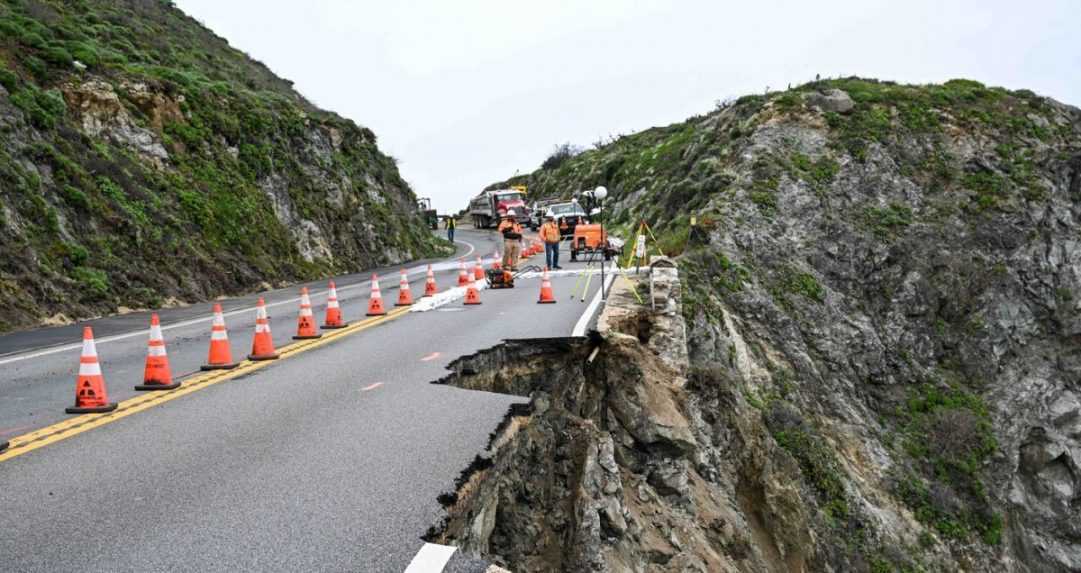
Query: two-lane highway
[(37, 368), (327, 460)]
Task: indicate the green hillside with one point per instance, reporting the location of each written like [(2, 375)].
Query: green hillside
[(143, 161)]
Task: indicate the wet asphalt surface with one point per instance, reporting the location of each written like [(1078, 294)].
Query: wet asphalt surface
[(331, 460)]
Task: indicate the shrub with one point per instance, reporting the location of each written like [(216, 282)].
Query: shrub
[(57, 56), (560, 155), (94, 281), (9, 80), (885, 220)]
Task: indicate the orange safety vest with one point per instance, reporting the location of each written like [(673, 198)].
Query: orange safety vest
[(549, 233), (512, 225)]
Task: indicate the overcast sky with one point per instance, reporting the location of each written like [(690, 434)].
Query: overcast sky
[(467, 92)]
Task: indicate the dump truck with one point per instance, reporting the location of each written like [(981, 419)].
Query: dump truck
[(431, 218), (487, 208)]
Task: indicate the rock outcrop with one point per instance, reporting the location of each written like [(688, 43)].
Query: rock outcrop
[(881, 316)]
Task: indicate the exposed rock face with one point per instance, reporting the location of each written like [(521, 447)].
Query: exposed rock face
[(831, 100), (882, 313), (100, 113)]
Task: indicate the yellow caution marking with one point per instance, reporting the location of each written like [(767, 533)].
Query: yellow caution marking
[(85, 422)]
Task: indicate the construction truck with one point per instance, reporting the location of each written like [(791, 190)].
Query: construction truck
[(489, 207), (431, 218)]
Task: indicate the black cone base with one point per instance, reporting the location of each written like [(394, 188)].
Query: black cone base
[(91, 410), (148, 387)]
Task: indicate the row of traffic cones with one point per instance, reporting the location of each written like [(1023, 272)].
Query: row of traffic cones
[(91, 395)]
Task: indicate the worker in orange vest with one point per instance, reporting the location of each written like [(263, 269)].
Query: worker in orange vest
[(549, 233), (512, 240)]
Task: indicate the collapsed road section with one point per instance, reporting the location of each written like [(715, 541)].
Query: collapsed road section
[(602, 470)]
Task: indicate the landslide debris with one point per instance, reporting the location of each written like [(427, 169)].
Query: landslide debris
[(144, 162), (882, 298)]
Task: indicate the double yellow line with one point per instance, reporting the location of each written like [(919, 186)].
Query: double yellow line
[(85, 422)]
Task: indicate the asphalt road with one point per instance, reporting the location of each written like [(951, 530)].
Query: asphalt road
[(37, 367), (330, 460)]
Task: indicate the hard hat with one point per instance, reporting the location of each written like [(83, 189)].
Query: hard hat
[(510, 212)]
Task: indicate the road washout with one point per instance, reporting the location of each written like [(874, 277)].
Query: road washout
[(602, 470)]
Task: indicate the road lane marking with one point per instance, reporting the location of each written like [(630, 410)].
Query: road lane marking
[(85, 422), (471, 249), (583, 322), (142, 331), (431, 558), (371, 387), (430, 357)]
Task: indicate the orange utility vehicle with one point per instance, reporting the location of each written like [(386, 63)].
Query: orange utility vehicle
[(591, 239)]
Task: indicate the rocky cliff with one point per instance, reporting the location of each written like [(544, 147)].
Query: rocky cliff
[(882, 300), (145, 162)]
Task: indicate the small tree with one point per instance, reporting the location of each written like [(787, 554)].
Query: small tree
[(560, 154)]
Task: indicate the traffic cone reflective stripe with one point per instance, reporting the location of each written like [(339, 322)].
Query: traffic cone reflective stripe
[(90, 393), (334, 311), (463, 276), (305, 320), (430, 287), (546, 296), (405, 296), (156, 374), (375, 303), (221, 355), (262, 346), (478, 271), (472, 294)]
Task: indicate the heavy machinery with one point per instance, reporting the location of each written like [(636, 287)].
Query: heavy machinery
[(487, 208), (567, 216), (431, 218), (590, 239)]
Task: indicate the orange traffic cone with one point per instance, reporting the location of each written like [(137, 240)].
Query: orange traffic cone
[(156, 374), (375, 303), (405, 296), (334, 312), (90, 394), (221, 355), (262, 346), (478, 271), (305, 320), (463, 277), (430, 287), (546, 296), (472, 294)]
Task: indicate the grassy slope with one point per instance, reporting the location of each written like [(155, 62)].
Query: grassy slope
[(87, 222), (681, 167)]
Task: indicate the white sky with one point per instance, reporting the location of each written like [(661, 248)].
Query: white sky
[(467, 92)]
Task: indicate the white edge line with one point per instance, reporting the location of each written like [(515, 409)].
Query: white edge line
[(431, 558), (142, 332), (583, 322)]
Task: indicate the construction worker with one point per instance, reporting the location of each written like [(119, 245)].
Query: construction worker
[(549, 233), (512, 240), (451, 224)]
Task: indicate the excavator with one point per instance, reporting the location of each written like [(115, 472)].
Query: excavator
[(424, 205)]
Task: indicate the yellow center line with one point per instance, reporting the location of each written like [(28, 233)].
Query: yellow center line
[(85, 422)]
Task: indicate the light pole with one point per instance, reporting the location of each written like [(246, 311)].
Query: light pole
[(599, 194)]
